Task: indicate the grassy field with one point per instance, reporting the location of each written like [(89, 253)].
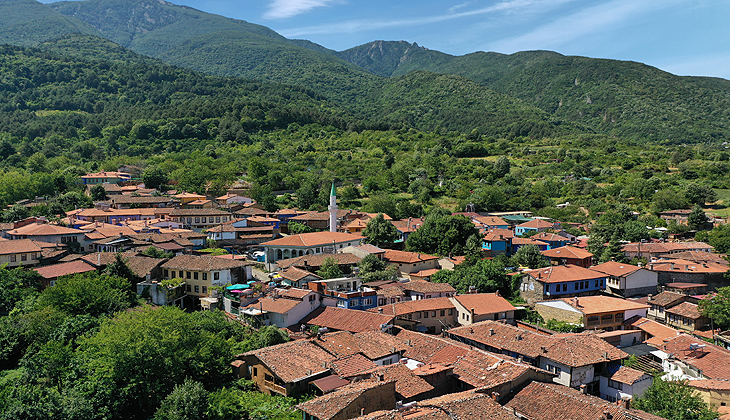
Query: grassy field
[(722, 206)]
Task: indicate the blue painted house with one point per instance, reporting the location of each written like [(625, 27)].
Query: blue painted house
[(561, 281), (535, 225), (553, 240), (498, 241)]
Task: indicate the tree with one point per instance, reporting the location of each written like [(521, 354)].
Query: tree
[(119, 268), (442, 234), (699, 193), (329, 269), (501, 166), (381, 232), (187, 401), (98, 193), (15, 285), (15, 213), (154, 177), (155, 252), (719, 238), (296, 228), (697, 219), (89, 294), (717, 307), (370, 264), (487, 276), (674, 400), (530, 256), (612, 252), (473, 250)]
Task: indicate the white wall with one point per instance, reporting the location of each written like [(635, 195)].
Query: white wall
[(641, 278), (641, 312)]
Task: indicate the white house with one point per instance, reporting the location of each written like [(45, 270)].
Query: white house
[(307, 244), (628, 280), (286, 307), (624, 382)]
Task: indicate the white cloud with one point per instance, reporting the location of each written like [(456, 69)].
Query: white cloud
[(456, 7), (569, 30), (282, 9), (508, 6)]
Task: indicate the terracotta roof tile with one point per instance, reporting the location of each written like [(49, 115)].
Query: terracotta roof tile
[(537, 224), (64, 269), (406, 257), (481, 369), (407, 384), (314, 239), (484, 303), (408, 225), (44, 229), (499, 235), (722, 385), (684, 266), (19, 246), (467, 405), (376, 344), (329, 405), (713, 361), (391, 292), (318, 259), (686, 309), (296, 274), (626, 375), (295, 360), (616, 269), (411, 306), (431, 349), (346, 319), (659, 332), (589, 305), (568, 403), (352, 365), (203, 263)]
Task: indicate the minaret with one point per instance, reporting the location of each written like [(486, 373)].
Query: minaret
[(333, 209)]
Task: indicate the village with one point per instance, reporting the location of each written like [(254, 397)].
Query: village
[(405, 347)]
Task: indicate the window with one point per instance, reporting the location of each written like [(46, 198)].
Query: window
[(596, 282), (197, 220), (433, 314), (355, 302), (619, 317), (606, 319), (615, 385), (165, 273), (418, 315), (366, 302), (316, 250), (188, 288), (33, 256), (381, 302), (13, 258), (255, 372), (23, 257), (225, 219), (554, 369), (187, 275), (268, 377), (451, 311), (205, 289), (190, 220), (204, 220), (312, 297), (425, 314), (341, 304), (218, 219), (443, 312), (205, 276), (216, 276), (195, 275), (197, 289), (565, 287)]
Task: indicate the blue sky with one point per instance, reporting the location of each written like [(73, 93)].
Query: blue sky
[(686, 37)]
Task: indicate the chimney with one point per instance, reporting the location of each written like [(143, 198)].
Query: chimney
[(491, 331), (606, 415), (583, 389), (544, 350), (495, 396), (686, 267), (625, 402), (380, 310)]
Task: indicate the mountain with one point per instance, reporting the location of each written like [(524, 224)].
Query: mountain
[(28, 22), (620, 98)]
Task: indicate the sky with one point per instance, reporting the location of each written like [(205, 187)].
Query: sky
[(684, 37)]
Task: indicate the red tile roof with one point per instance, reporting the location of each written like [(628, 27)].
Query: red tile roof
[(537, 224), (296, 274), (203, 263), (481, 369), (567, 403), (467, 405), (713, 361), (64, 269), (484, 303), (687, 310), (721, 385), (43, 229), (665, 299), (659, 333), (684, 266), (567, 251), (616, 269), (352, 365), (421, 286), (318, 259), (430, 349), (405, 257), (499, 235), (626, 375), (293, 361), (411, 306), (346, 319), (564, 273), (408, 225), (407, 384), (591, 305), (19, 246), (314, 239), (329, 405)]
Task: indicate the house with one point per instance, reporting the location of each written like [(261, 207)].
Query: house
[(489, 222), (462, 405), (685, 357), (105, 177), (449, 263), (356, 226), (199, 219), (561, 281), (23, 252), (341, 319), (660, 303), (312, 263), (201, 273), (628, 280), (129, 201), (654, 250), (187, 198), (285, 307), (568, 255), (407, 226), (317, 220), (476, 307), (51, 273), (345, 292), (686, 316), (104, 214), (410, 262), (592, 312), (683, 271), (565, 403), (285, 369), (498, 241), (143, 267), (680, 215), (715, 393), (40, 231), (409, 385), (232, 199), (380, 348), (534, 225), (518, 243), (351, 401), (364, 250), (420, 289), (427, 315), (240, 233), (296, 277), (307, 243), (689, 289), (624, 382), (574, 359), (702, 257), (652, 332), (554, 240), (391, 292)]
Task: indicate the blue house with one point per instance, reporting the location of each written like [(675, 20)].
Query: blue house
[(498, 241), (518, 243), (553, 240), (535, 225), (346, 292), (561, 281)]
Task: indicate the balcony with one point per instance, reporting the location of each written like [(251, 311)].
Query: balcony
[(276, 388)]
